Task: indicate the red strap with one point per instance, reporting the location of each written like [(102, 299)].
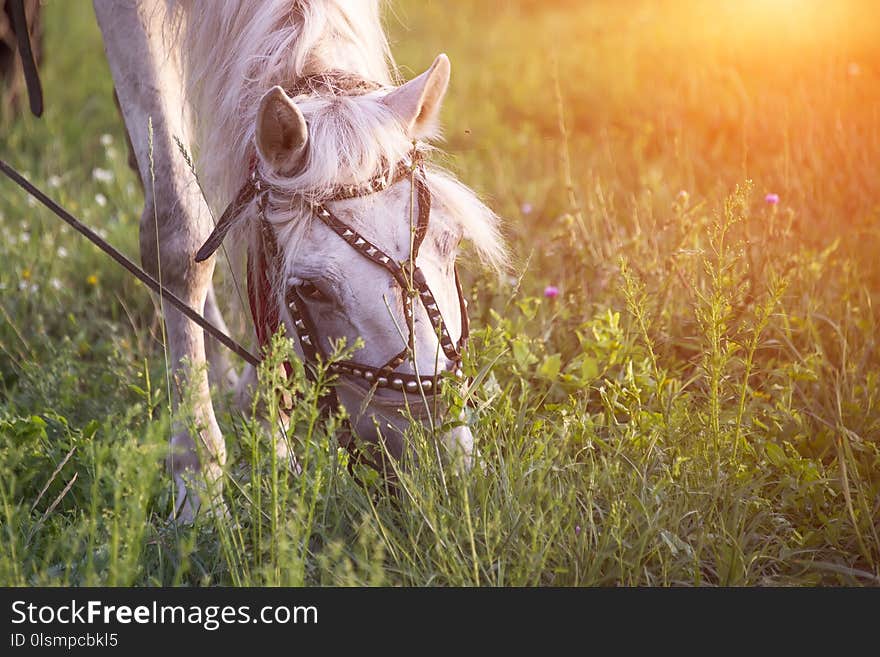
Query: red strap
[(263, 310), (263, 303)]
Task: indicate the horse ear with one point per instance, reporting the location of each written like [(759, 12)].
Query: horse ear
[(281, 133), (417, 103)]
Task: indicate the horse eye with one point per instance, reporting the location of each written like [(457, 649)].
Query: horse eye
[(311, 292)]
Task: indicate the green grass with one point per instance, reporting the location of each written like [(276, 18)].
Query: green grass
[(699, 406)]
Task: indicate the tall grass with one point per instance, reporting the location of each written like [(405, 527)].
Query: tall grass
[(700, 405)]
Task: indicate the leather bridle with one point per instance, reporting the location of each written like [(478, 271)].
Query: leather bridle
[(407, 275), (264, 261), (412, 283)]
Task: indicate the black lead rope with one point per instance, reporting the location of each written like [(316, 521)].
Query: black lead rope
[(132, 268)]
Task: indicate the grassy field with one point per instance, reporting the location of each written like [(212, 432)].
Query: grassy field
[(700, 404)]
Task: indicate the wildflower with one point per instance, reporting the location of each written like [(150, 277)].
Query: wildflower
[(92, 280), (101, 200), (106, 140), (577, 530), (102, 175), (25, 238), (772, 199), (54, 181), (526, 208), (55, 283), (551, 291), (61, 252), (26, 274)]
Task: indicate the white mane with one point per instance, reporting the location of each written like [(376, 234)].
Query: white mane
[(353, 138), (235, 52)]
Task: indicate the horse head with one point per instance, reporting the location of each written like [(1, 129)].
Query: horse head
[(358, 238)]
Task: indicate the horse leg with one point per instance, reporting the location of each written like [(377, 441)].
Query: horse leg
[(174, 223), (131, 160), (220, 372)]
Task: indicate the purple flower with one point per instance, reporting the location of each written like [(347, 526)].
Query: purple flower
[(577, 530), (551, 291), (526, 208), (772, 199)]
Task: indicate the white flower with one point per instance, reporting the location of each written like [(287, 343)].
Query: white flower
[(102, 175), (100, 199), (106, 140), (25, 238), (55, 283), (54, 181), (61, 252)]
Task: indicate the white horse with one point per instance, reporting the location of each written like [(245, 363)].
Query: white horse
[(214, 74)]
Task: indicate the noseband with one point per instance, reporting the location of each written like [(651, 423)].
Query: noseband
[(264, 263)]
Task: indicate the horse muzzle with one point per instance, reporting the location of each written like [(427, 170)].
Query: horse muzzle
[(380, 420)]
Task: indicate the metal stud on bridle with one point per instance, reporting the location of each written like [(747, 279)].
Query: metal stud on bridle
[(407, 275)]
